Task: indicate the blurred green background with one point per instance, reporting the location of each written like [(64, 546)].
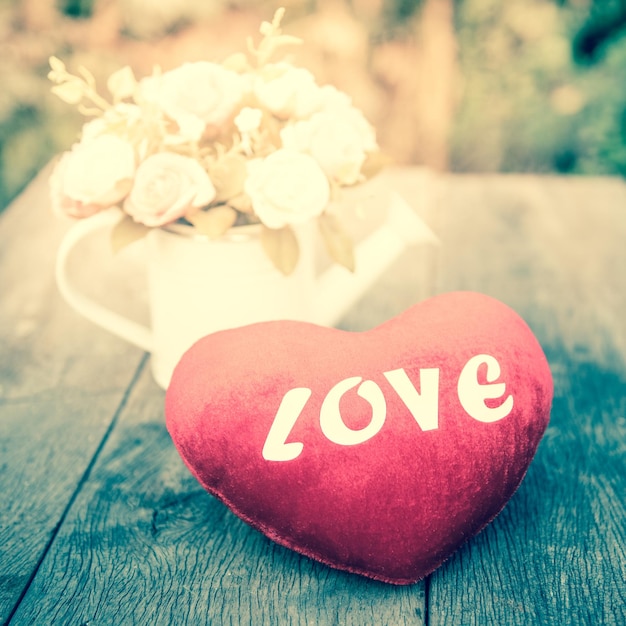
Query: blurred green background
[(460, 85)]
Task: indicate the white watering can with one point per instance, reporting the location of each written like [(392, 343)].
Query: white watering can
[(197, 286)]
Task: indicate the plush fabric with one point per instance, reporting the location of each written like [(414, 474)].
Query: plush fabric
[(386, 479)]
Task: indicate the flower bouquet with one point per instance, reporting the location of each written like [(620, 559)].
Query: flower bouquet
[(214, 146)]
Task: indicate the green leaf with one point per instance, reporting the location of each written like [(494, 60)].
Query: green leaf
[(241, 203), (125, 232), (228, 175), (338, 244), (287, 40), (56, 64), (71, 92), (214, 222), (122, 84), (374, 163), (237, 62), (281, 246), (87, 76)]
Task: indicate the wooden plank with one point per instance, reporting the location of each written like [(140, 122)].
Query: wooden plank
[(554, 250), (144, 544), (61, 383)]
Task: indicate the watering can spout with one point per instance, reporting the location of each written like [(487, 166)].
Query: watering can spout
[(338, 290)]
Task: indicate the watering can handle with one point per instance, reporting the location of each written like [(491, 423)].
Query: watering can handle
[(97, 313)]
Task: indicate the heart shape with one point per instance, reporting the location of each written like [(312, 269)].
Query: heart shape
[(379, 452)]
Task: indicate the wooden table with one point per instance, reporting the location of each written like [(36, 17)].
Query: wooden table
[(100, 523)]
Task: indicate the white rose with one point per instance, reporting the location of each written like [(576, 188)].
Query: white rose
[(338, 140), (331, 98), (195, 95), (167, 186), (337, 103), (288, 91), (96, 174), (248, 120), (122, 115), (286, 187)]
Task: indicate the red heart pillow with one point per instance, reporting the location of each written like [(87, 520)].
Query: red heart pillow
[(379, 452)]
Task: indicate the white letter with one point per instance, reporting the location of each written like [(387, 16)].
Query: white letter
[(472, 395), (424, 406), (275, 448), (333, 425)]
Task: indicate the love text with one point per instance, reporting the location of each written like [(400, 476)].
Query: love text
[(423, 405)]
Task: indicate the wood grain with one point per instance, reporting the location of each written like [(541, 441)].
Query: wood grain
[(554, 250), (113, 529), (144, 544), (61, 383)]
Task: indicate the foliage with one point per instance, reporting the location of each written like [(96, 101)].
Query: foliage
[(526, 104)]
